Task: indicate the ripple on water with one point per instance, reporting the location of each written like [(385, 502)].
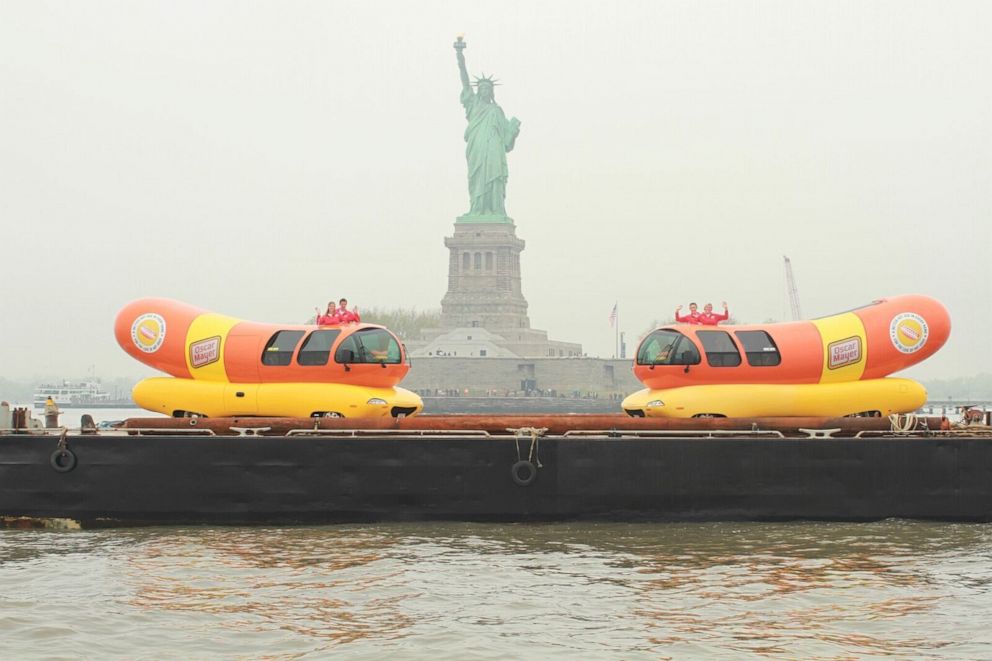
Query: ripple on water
[(892, 588)]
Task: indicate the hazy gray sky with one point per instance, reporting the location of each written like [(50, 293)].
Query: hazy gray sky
[(258, 159)]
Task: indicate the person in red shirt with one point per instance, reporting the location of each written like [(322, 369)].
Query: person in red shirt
[(345, 315), (691, 318), (330, 317), (709, 318)]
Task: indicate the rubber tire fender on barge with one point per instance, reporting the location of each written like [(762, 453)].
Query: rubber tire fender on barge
[(523, 473), (63, 460)]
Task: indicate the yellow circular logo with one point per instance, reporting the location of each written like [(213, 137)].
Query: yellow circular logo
[(148, 332), (908, 332)]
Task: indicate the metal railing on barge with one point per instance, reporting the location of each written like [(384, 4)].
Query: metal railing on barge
[(957, 432)]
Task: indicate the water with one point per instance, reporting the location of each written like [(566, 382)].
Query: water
[(804, 590)]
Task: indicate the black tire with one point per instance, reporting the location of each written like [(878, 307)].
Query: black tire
[(63, 460), (523, 473), (179, 413)]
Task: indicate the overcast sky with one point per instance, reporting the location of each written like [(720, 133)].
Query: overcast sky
[(258, 159)]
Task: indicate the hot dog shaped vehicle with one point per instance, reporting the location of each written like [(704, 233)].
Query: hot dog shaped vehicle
[(222, 366), (833, 366)]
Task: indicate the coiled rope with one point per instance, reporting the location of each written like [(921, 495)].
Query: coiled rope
[(904, 423), (535, 433)]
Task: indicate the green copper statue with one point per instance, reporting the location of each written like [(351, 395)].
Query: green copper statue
[(488, 136)]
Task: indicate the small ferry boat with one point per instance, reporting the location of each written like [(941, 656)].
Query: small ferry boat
[(81, 394)]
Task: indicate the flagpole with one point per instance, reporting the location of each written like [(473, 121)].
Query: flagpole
[(616, 331)]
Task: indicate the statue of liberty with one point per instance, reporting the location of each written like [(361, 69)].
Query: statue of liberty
[(488, 136)]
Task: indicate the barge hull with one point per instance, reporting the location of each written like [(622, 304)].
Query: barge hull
[(177, 479)]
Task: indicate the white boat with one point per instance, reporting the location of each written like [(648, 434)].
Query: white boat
[(81, 394)]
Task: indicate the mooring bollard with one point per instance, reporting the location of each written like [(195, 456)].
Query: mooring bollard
[(18, 418), (86, 424), (52, 420), (51, 414)]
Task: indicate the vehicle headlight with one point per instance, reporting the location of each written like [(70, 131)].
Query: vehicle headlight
[(655, 402), (377, 401)]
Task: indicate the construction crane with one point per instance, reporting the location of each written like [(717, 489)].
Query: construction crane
[(790, 285)]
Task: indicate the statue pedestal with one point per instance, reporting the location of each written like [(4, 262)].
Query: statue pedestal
[(484, 275), (484, 312), (475, 219)]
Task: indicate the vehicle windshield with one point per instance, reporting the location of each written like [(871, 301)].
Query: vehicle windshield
[(369, 345), (667, 347)]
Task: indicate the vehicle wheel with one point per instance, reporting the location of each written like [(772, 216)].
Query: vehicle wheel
[(179, 413), (709, 415), (865, 414)]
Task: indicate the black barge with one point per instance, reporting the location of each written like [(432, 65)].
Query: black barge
[(485, 468)]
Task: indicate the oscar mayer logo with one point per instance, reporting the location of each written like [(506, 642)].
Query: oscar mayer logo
[(204, 352), (843, 352), (148, 332), (908, 332)]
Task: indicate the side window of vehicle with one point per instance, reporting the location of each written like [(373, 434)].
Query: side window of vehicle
[(760, 348), (279, 350), (720, 349), (348, 351), (316, 349)]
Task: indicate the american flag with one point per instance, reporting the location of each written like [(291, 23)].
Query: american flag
[(613, 315)]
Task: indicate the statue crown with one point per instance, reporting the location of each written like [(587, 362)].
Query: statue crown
[(486, 80)]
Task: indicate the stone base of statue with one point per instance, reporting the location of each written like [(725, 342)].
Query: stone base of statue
[(484, 275), (484, 312)]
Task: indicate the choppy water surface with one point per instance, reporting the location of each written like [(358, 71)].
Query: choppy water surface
[(497, 591)]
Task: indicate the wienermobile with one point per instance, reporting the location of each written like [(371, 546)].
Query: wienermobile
[(222, 366), (833, 366)]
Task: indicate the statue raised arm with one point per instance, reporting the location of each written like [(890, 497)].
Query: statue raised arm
[(462, 71), (488, 136)]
